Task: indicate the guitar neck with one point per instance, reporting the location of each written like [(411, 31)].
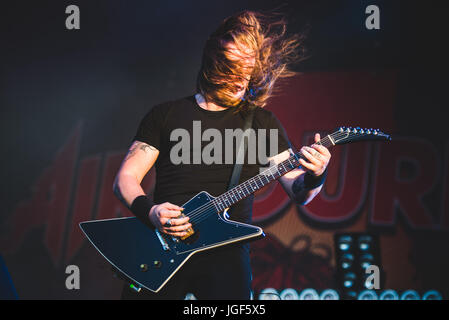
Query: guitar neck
[(257, 182)]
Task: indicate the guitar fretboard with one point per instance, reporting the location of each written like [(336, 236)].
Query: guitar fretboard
[(257, 182)]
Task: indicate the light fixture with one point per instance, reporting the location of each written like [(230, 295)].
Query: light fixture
[(269, 294), (368, 295), (289, 294), (309, 294), (389, 295), (365, 242), (366, 260), (349, 280), (345, 243), (432, 295), (354, 254), (410, 295), (329, 294), (347, 260)]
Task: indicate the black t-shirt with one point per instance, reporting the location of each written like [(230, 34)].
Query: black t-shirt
[(194, 152)]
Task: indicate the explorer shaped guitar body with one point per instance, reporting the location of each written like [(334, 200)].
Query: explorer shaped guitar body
[(149, 258)]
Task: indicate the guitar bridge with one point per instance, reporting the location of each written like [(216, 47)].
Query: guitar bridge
[(190, 232)]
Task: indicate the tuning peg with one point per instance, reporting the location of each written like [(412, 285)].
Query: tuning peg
[(361, 131)]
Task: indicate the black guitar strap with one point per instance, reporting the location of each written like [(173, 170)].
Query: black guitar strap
[(242, 149)]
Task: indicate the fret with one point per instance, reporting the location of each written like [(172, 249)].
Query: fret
[(292, 165), (246, 187), (254, 183), (224, 200), (280, 169), (216, 206), (295, 161), (272, 174), (260, 178), (241, 192), (277, 172), (266, 177), (221, 206), (283, 166), (238, 192), (328, 137)]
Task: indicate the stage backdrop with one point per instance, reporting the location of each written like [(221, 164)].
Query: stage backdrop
[(72, 100)]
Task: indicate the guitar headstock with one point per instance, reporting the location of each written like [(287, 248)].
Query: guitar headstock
[(344, 135)]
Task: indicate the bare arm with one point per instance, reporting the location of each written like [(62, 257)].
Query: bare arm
[(139, 160)]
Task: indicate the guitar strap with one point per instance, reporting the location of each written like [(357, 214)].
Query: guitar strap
[(242, 149)]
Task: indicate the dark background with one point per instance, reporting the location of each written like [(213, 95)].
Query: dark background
[(130, 55)]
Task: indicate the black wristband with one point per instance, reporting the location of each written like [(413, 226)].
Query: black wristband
[(312, 182), (141, 207)]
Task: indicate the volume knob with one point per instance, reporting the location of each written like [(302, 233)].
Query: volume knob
[(143, 267)]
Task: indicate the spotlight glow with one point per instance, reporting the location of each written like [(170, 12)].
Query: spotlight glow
[(309, 294)]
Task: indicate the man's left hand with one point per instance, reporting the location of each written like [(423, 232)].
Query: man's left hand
[(318, 157)]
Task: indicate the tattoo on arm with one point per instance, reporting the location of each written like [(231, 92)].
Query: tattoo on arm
[(298, 186), (139, 145)]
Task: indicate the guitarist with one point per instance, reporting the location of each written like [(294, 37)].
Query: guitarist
[(241, 61)]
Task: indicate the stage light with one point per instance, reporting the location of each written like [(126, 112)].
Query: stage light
[(432, 295), (355, 253), (345, 243), (346, 261), (329, 294), (289, 294), (389, 295), (365, 242), (367, 282), (309, 294), (366, 260), (349, 280), (269, 294), (410, 295), (368, 295), (190, 296)]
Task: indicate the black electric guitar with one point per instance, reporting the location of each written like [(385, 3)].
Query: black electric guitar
[(148, 258)]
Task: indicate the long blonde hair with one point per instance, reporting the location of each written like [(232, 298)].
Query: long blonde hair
[(265, 36)]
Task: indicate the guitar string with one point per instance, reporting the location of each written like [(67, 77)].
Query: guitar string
[(211, 205), (199, 214), (244, 184), (207, 208)]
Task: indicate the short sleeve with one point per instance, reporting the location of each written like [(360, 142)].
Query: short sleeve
[(149, 130)]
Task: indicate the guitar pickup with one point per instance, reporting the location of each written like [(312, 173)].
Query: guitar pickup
[(163, 242)]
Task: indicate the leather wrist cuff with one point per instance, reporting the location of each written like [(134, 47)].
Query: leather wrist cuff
[(312, 182), (141, 207)]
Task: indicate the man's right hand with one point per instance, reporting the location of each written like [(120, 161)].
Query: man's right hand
[(161, 213)]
